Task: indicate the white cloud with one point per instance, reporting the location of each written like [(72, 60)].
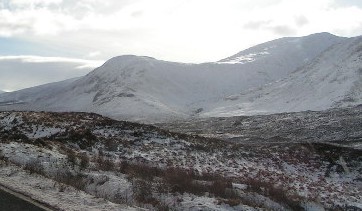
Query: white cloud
[(179, 30), (21, 3), (94, 54), (40, 59)]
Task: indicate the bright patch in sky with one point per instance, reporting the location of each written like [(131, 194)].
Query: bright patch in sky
[(176, 30)]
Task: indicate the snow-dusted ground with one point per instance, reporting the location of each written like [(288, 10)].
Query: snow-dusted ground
[(313, 174), (145, 89), (341, 126), (48, 191), (64, 197)]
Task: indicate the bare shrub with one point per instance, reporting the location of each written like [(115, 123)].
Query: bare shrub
[(34, 166), (111, 145), (179, 180), (61, 187), (142, 190), (77, 180), (3, 158), (231, 202), (122, 197), (162, 207), (104, 164), (222, 188), (123, 166), (142, 171), (83, 161), (276, 193), (71, 157), (83, 137)]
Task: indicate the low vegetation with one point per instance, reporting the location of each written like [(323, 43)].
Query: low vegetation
[(153, 168)]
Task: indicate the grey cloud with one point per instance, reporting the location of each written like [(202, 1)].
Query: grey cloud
[(19, 73), (137, 14), (95, 6), (355, 31), (283, 30), (256, 24), (8, 27), (68, 15), (348, 3), (257, 4), (301, 20)]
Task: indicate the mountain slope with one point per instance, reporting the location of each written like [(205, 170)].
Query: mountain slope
[(35, 94), (143, 88), (334, 79)]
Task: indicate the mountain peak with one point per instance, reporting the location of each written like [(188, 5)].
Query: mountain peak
[(129, 58), (126, 60), (324, 34), (307, 46)]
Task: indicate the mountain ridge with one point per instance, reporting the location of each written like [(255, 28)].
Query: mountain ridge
[(142, 88), (256, 48)]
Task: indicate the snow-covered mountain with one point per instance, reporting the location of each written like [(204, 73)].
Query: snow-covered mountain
[(143, 88), (333, 79)]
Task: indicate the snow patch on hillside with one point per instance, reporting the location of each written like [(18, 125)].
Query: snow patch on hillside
[(245, 58)]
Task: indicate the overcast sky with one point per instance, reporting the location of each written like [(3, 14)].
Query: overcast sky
[(175, 30)]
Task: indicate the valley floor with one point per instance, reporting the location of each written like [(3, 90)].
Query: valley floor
[(83, 161)]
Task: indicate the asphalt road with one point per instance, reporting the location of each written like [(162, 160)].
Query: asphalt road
[(9, 202)]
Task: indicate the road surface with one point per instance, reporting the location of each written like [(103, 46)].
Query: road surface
[(10, 202)]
